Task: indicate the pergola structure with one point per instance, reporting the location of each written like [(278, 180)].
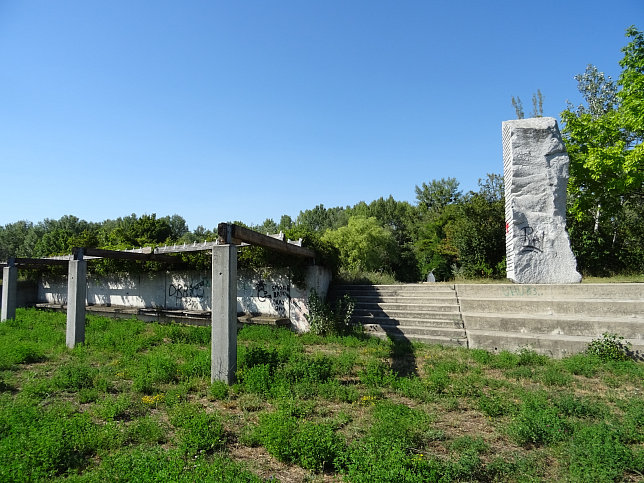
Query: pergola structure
[(224, 285)]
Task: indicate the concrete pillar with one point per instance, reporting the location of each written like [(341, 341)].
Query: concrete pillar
[(76, 294), (9, 292), (224, 314)]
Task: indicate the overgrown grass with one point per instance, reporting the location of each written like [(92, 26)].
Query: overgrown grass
[(135, 403)]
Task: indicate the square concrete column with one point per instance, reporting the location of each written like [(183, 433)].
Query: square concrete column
[(76, 294), (224, 314), (9, 292)]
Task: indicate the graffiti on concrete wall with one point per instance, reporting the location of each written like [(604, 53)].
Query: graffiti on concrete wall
[(279, 295), (190, 295)]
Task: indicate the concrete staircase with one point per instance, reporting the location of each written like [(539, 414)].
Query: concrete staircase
[(557, 320), (417, 312)]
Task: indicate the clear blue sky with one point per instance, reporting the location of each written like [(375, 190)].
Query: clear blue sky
[(247, 110)]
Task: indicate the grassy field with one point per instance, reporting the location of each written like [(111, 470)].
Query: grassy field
[(135, 403)]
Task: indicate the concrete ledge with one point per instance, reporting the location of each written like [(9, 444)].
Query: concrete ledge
[(557, 346), (584, 326), (191, 317), (532, 306), (610, 291)]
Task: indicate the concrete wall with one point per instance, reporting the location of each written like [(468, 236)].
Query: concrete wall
[(272, 295), (557, 320)]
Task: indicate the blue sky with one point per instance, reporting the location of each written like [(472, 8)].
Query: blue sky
[(247, 110)]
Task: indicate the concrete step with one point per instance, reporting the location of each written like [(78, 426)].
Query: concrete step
[(425, 339), (612, 291), (407, 314), (458, 333), (412, 299), (454, 322), (557, 346), (585, 326), (390, 307), (392, 290), (532, 306)]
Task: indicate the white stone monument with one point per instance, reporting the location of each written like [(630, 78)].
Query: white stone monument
[(536, 175)]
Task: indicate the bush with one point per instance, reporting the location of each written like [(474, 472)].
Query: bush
[(610, 347), (327, 320)]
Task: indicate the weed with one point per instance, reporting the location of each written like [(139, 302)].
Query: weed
[(218, 390), (199, 431), (553, 376), (537, 422), (597, 454), (610, 347), (580, 365), (75, 376), (327, 320), (494, 405), (377, 373), (481, 356)]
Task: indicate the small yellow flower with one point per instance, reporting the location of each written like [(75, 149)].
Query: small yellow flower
[(152, 400)]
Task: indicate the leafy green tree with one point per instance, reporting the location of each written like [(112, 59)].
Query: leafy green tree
[(321, 218), (363, 245), (604, 142), (436, 195), (269, 227), (399, 217), (478, 231), (15, 240), (286, 223)]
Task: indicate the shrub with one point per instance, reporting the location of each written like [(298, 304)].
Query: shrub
[(610, 347), (327, 320)]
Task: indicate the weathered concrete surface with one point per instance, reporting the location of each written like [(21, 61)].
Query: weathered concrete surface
[(557, 320), (77, 292), (9, 293), (224, 314), (536, 176), (273, 295)]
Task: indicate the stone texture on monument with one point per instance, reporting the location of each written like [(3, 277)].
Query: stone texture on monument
[(536, 176)]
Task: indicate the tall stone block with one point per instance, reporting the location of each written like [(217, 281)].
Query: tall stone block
[(76, 295), (536, 176), (9, 293), (224, 314)]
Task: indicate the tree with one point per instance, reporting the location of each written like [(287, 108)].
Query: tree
[(604, 143), (321, 219), (399, 217), (436, 195), (363, 245)]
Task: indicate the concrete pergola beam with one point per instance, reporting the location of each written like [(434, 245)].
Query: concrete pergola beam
[(223, 364)]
